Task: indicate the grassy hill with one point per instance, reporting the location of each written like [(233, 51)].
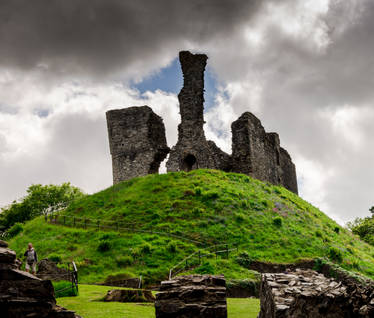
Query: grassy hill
[(187, 211)]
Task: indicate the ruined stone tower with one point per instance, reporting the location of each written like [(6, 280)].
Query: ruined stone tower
[(137, 142), (192, 150), (258, 154)]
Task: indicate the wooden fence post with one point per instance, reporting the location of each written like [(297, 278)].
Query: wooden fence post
[(64, 219), (85, 223), (74, 221), (199, 257)]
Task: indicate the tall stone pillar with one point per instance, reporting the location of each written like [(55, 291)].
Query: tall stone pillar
[(192, 150)]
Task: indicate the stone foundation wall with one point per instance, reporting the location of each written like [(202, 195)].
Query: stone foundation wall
[(308, 294), (194, 296), (137, 142)]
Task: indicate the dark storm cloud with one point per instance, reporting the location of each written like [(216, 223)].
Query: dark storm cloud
[(104, 35)]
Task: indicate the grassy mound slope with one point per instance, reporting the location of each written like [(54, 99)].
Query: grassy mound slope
[(212, 207)]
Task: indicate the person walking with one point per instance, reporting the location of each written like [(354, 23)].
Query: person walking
[(31, 259)]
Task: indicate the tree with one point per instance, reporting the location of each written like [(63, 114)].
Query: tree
[(364, 227), (38, 201)]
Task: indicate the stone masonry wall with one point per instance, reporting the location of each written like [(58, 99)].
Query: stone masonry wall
[(137, 142), (193, 296), (308, 294), (258, 154), (192, 150)]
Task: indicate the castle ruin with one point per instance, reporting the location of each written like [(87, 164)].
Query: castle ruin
[(138, 142)]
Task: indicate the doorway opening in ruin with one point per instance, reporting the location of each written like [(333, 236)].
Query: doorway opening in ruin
[(188, 162)]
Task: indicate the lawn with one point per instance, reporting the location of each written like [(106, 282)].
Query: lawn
[(89, 305)]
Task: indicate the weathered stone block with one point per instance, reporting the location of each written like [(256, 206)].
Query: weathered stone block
[(137, 142), (194, 296)]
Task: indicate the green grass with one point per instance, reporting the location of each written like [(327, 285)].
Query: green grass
[(64, 289), (268, 222), (89, 305)]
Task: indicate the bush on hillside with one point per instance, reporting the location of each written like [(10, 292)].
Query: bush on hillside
[(15, 229), (124, 261), (335, 254), (243, 259), (146, 248), (172, 247), (104, 246), (54, 258), (277, 221), (205, 268)]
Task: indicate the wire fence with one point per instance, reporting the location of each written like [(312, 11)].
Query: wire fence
[(71, 275), (196, 258), (100, 225)]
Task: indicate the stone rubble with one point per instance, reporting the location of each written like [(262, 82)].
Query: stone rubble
[(193, 296), (308, 294), (130, 295), (23, 294)]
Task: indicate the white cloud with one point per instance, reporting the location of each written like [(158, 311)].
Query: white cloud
[(305, 68)]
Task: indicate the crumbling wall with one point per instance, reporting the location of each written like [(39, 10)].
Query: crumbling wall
[(258, 154), (194, 296), (308, 294), (192, 150), (137, 142)]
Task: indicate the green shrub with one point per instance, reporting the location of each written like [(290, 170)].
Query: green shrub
[(146, 248), (123, 261), (198, 191), (211, 195), (104, 246), (318, 233), (318, 264), (172, 247), (277, 221), (54, 258), (205, 268), (64, 289), (337, 229), (15, 229), (335, 254), (244, 259)]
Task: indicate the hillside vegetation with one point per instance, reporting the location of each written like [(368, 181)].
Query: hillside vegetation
[(265, 222)]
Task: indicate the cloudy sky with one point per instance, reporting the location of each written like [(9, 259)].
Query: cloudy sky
[(304, 67)]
